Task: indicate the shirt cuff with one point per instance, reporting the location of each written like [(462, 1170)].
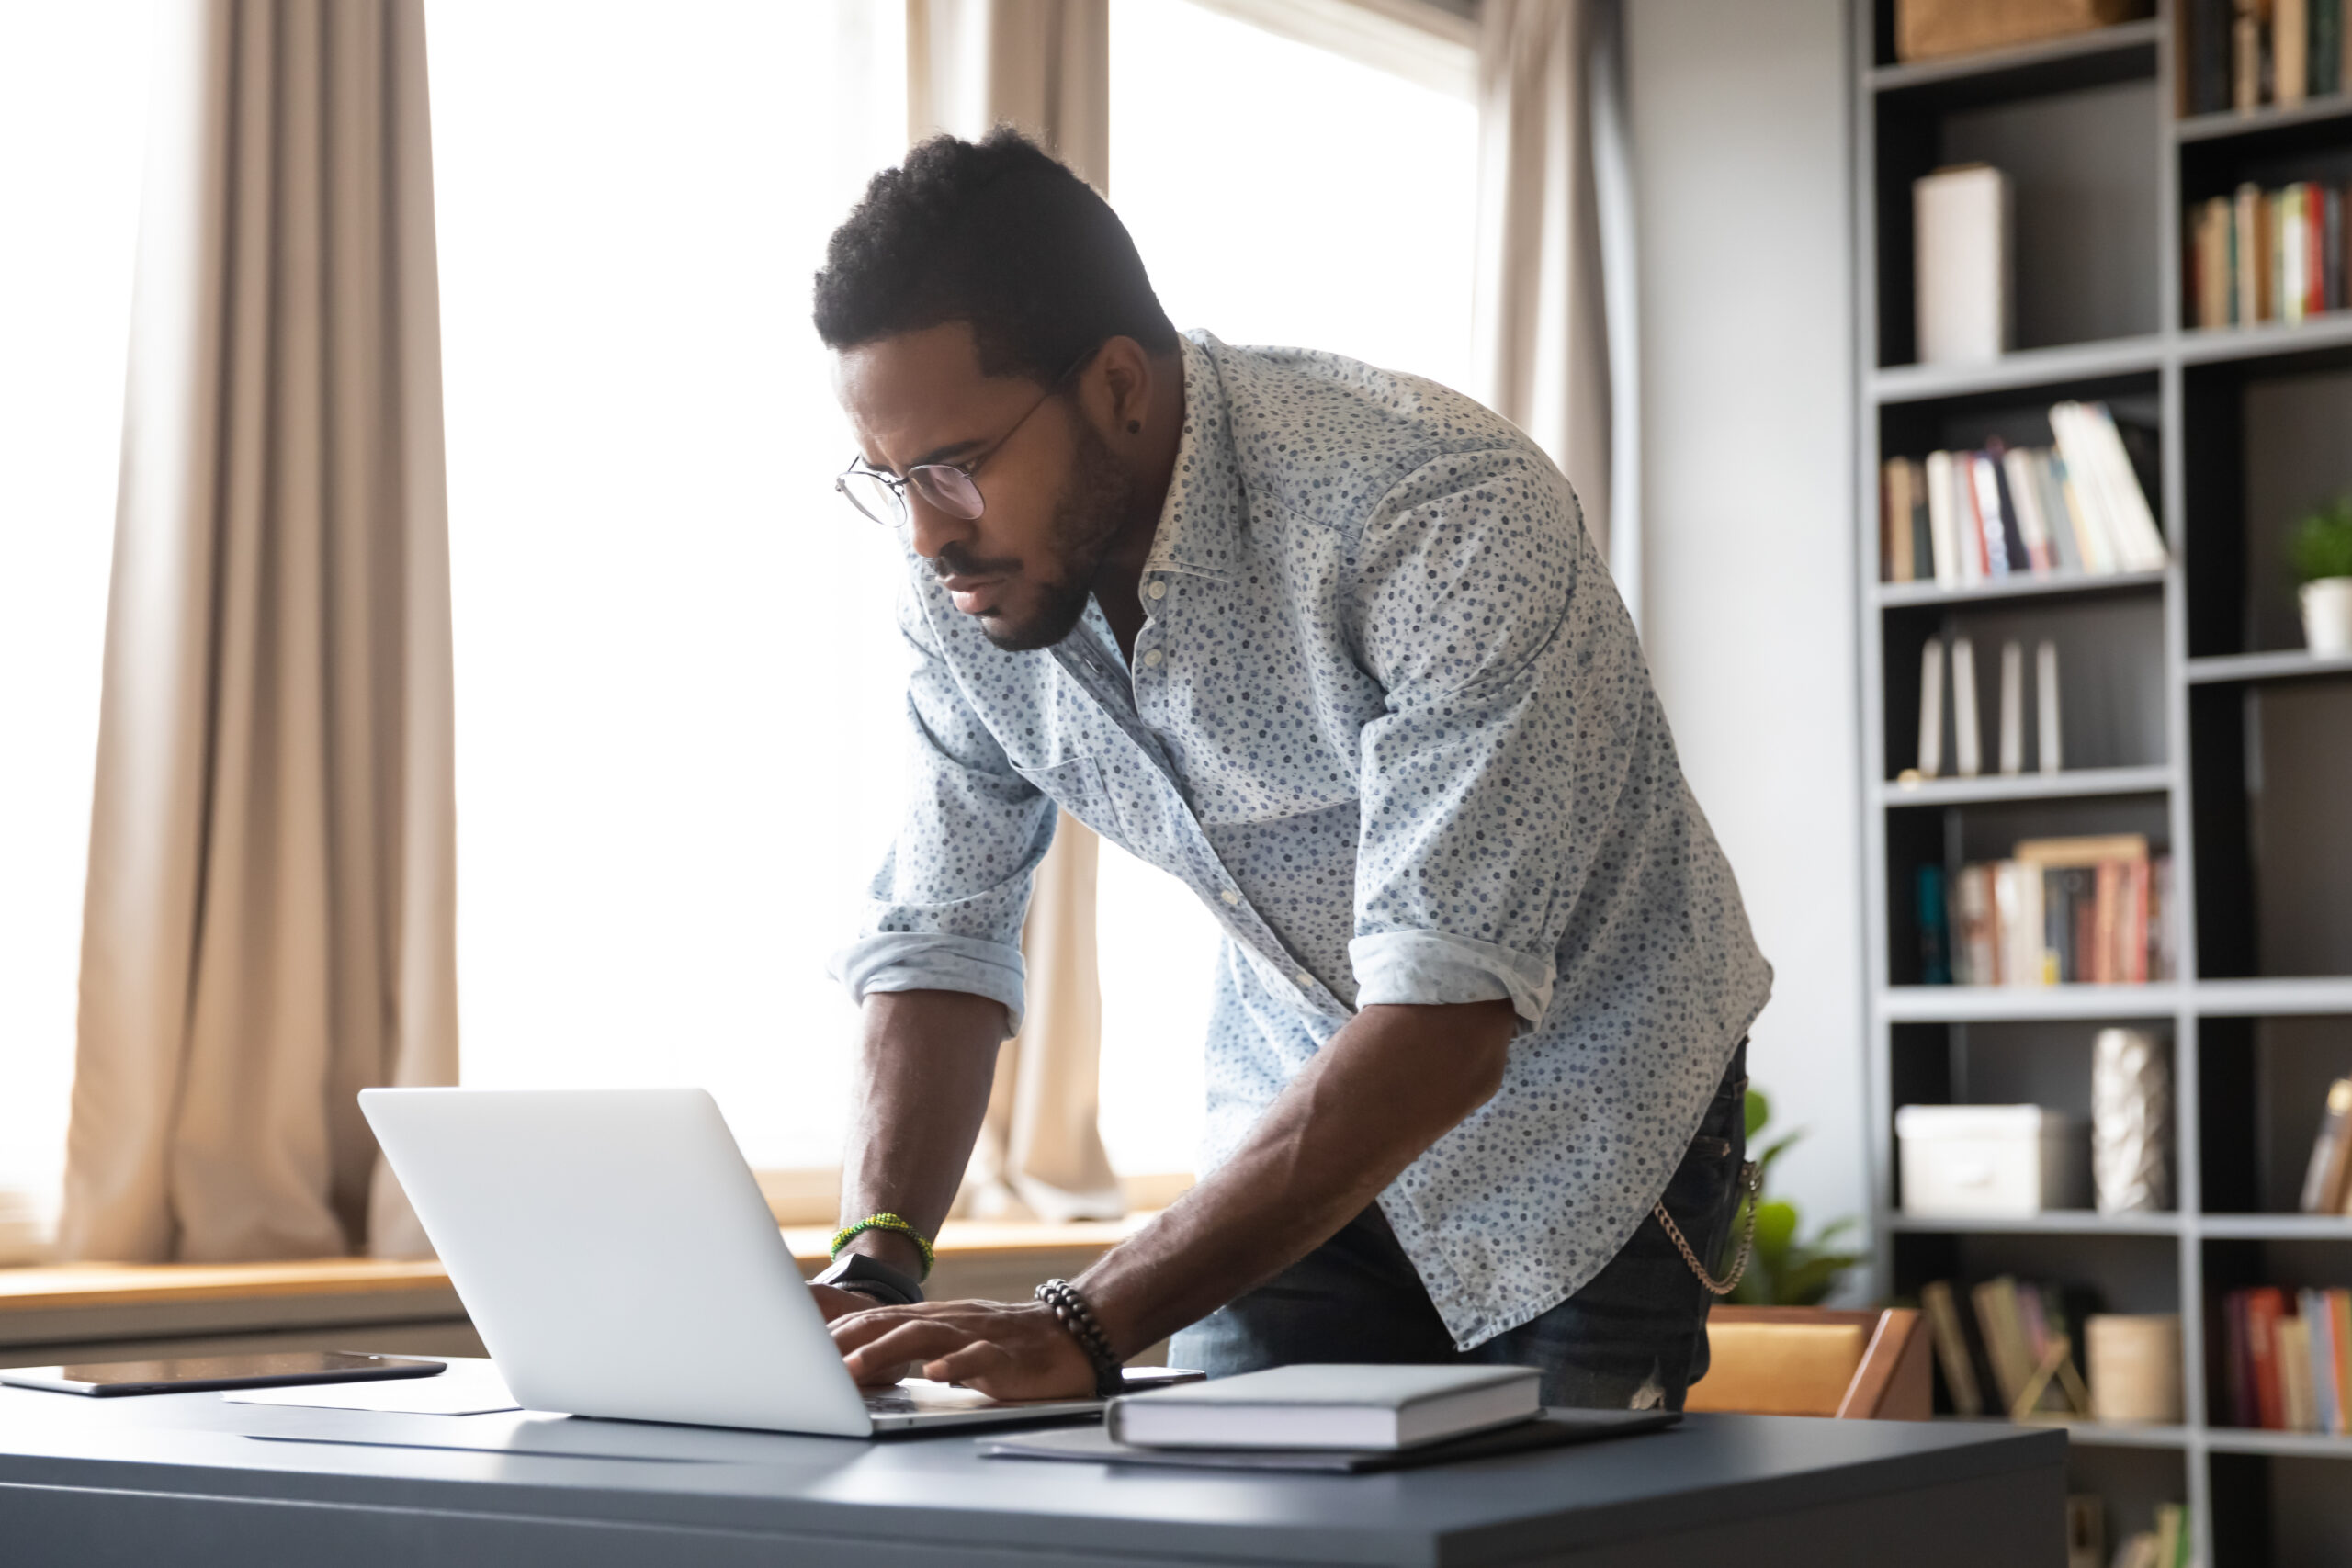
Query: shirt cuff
[(1432, 968), (920, 961)]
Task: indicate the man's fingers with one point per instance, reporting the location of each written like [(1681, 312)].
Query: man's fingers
[(865, 1326), (923, 1339), (853, 1329), (971, 1366)]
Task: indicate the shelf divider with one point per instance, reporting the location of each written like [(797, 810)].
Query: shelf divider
[(2071, 784)]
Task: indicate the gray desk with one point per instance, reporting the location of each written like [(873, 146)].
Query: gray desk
[(192, 1479)]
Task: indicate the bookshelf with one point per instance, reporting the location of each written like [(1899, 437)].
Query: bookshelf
[(2208, 728)]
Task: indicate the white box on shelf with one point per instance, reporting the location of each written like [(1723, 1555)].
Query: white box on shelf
[(2002, 1161)]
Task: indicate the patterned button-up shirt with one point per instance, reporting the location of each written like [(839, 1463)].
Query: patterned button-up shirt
[(1388, 719)]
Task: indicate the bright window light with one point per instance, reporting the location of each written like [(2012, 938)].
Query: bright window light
[(680, 730), (1283, 194), (73, 141)]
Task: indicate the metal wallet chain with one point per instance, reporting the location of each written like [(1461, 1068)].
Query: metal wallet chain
[(1751, 1181)]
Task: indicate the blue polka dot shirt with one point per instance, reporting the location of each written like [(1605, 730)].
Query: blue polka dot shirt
[(1387, 719)]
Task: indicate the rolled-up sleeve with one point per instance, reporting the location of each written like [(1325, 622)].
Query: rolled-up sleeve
[(945, 909), (1505, 738)]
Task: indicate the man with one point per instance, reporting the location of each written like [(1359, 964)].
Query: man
[(1329, 645)]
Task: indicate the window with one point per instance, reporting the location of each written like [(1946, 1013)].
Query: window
[(679, 718), (73, 122), (1267, 210), (1284, 194)]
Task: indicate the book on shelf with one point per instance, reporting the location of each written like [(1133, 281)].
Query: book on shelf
[(1967, 723), (2246, 54), (2085, 1530), (1931, 707), (2328, 1178), (1935, 928), (2012, 708), (2266, 255), (2014, 1339), (2288, 1357), (1951, 1347), (2092, 910), (2077, 506), (2047, 754)]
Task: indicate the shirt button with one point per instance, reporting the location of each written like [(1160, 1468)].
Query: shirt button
[(1151, 659), (1304, 978), (1230, 896), (1157, 590)]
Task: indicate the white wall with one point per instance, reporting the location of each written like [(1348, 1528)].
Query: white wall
[(1741, 152)]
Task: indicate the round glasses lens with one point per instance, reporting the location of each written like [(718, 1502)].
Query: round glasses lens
[(872, 496), (949, 490)]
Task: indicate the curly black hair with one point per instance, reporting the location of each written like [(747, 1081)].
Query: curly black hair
[(997, 233)]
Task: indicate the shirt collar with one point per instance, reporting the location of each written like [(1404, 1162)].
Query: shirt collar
[(1200, 523)]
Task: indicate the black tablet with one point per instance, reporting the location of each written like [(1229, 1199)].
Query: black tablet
[(188, 1374)]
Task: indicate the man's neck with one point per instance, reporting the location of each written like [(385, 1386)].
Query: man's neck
[(1118, 580)]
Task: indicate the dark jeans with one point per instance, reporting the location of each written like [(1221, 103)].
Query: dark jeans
[(1634, 1337)]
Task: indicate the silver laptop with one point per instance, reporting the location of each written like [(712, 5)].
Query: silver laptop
[(617, 1260)]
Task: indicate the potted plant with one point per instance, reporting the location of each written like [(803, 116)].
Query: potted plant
[(1784, 1272), (2322, 558)]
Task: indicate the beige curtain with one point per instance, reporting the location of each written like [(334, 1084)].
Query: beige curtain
[(269, 921), (1039, 1152), (1542, 344), (1044, 65)]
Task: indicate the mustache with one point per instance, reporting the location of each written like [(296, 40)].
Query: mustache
[(953, 560)]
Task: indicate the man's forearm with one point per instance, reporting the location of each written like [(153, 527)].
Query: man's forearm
[(924, 1070), (1389, 1085)]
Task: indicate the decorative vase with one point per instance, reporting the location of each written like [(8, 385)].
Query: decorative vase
[(2327, 615), (2131, 1122)]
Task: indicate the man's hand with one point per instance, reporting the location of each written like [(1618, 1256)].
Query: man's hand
[(1003, 1349)]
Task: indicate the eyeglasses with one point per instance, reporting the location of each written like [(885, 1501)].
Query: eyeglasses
[(951, 487)]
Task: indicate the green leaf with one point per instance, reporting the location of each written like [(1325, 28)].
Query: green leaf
[(1807, 1282), (2322, 546), (1760, 1110), (1776, 1227), (1775, 1149)]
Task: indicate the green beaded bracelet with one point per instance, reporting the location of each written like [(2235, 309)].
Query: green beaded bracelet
[(843, 1236)]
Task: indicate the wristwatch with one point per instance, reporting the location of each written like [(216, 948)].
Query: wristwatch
[(856, 1271)]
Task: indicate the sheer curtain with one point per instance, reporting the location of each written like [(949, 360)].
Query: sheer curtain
[(73, 82), (679, 689)]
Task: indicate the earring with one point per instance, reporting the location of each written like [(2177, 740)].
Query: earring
[(1134, 426)]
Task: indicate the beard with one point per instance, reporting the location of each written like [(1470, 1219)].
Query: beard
[(1093, 508)]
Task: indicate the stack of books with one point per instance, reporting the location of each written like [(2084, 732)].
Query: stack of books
[(2244, 54), (2096, 910), (2290, 1358), (1993, 1356), (2266, 255), (1964, 517)]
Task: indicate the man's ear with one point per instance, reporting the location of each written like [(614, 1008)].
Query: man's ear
[(1120, 385)]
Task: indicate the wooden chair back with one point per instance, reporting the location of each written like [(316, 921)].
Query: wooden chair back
[(1870, 1366)]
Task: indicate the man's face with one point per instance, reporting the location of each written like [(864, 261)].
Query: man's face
[(1054, 495)]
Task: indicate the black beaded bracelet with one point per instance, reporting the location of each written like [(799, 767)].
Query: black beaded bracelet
[(1077, 1321)]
